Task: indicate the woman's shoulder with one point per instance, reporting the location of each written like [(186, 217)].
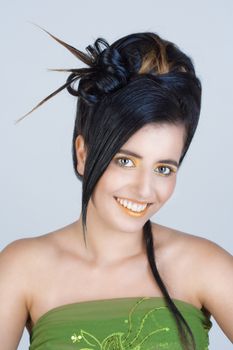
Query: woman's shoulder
[(205, 272), (25, 247), (196, 256), (188, 251), (194, 264), (169, 238), (34, 249)]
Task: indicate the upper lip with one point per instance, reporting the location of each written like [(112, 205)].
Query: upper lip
[(133, 200)]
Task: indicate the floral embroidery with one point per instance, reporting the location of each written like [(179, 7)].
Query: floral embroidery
[(120, 340)]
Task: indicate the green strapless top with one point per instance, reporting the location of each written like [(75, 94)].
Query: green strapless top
[(137, 323)]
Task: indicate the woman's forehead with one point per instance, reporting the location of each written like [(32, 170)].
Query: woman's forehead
[(155, 133), (155, 142)]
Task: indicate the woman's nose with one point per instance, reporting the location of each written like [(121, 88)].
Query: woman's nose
[(145, 185)]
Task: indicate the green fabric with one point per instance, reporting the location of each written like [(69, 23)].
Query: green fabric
[(142, 323)]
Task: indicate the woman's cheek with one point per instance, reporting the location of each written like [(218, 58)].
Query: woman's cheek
[(166, 188), (116, 176), (111, 180)]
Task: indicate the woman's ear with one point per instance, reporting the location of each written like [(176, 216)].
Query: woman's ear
[(80, 154)]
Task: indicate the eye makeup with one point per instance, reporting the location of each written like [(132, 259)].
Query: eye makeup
[(135, 155), (136, 162), (171, 169)]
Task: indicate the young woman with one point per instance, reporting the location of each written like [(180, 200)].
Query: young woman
[(114, 279)]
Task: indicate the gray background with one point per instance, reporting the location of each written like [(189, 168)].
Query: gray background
[(39, 192)]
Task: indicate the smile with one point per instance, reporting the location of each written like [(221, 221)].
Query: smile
[(132, 208)]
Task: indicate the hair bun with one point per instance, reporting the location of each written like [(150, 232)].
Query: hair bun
[(109, 73), (110, 67)]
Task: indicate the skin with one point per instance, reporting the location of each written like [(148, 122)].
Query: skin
[(40, 273)]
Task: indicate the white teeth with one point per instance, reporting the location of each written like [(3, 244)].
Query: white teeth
[(135, 207), (125, 203), (132, 206)]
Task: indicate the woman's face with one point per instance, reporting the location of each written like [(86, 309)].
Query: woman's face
[(143, 173)]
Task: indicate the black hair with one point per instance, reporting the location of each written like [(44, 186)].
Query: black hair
[(140, 79)]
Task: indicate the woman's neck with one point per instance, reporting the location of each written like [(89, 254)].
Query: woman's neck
[(106, 246)]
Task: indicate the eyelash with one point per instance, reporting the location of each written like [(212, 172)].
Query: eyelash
[(161, 166)]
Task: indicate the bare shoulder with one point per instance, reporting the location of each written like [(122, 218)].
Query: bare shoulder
[(25, 250), (33, 251), (196, 252), (21, 265), (208, 268), (198, 246), (190, 252), (25, 261)]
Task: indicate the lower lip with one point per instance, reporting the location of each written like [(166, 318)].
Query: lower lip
[(133, 213)]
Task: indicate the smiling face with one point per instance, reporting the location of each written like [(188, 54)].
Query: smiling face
[(140, 178)]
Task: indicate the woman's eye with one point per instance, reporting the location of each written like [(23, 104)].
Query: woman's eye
[(124, 162), (128, 163), (164, 170)]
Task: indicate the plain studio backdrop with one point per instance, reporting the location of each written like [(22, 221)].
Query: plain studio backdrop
[(39, 191)]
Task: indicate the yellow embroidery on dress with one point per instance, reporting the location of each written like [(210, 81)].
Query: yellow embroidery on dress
[(118, 340)]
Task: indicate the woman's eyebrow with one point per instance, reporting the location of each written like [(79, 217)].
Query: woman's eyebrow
[(130, 153)]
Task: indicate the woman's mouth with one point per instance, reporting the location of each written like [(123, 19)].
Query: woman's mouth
[(132, 208)]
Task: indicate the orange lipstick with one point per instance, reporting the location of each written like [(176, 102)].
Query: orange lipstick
[(131, 212)]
